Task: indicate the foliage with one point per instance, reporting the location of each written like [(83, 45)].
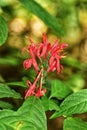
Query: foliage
[(3, 30), (44, 86), (76, 124), (51, 21), (23, 118)]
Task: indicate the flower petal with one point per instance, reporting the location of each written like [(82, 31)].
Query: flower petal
[(35, 65), (27, 63), (40, 92)]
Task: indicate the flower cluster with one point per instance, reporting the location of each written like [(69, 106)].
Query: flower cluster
[(52, 54)]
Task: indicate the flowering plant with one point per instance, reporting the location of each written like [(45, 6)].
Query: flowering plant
[(49, 57), (32, 96), (41, 92)]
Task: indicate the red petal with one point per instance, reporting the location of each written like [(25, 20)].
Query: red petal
[(55, 45), (40, 92), (35, 65), (58, 66), (44, 39), (27, 63)]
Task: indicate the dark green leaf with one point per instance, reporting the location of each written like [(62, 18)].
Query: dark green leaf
[(39, 11), (3, 30), (74, 124), (5, 91), (76, 103), (59, 89)]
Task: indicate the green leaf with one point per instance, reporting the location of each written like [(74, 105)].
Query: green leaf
[(5, 127), (49, 104), (33, 107), (6, 2), (8, 116), (74, 124), (39, 11), (5, 105), (76, 103), (59, 89), (5, 91), (78, 83), (9, 61), (21, 84), (70, 61), (30, 115), (3, 30)]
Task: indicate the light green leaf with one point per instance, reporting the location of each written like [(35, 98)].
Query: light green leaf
[(8, 116), (74, 124), (5, 127), (5, 91), (11, 118), (21, 84), (3, 30), (5, 105), (39, 11), (33, 107), (6, 2), (49, 104), (30, 115), (76, 103), (59, 89)]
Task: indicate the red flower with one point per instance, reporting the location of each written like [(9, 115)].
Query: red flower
[(55, 57), (32, 88), (27, 63), (39, 50), (57, 48), (32, 61), (43, 48), (40, 92), (54, 64), (51, 54)]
